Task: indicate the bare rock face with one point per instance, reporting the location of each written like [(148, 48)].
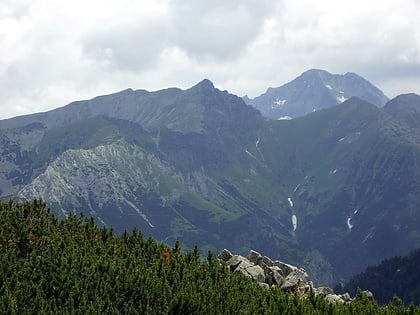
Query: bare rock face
[(289, 278)]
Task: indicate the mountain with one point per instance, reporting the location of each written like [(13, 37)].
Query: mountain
[(314, 90), (397, 275), (334, 191)]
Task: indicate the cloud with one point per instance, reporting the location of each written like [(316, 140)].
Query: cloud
[(219, 30), (53, 52)]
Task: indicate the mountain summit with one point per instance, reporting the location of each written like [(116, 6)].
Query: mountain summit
[(314, 90)]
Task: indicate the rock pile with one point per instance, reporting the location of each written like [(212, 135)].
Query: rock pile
[(276, 273)]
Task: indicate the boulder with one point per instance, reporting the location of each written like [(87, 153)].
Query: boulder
[(368, 294), (334, 299), (225, 255), (257, 273), (267, 261), (240, 264), (323, 291), (254, 256), (276, 275), (346, 297), (236, 261), (286, 268), (263, 284), (294, 280)]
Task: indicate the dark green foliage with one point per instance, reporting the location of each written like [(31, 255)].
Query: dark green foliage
[(398, 275), (74, 267)]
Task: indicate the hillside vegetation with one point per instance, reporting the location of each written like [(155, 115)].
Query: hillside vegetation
[(72, 266), (398, 275)]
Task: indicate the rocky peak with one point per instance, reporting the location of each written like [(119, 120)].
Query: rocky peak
[(204, 85)]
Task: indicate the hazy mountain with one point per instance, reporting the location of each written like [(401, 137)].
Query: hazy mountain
[(335, 191), (314, 90)]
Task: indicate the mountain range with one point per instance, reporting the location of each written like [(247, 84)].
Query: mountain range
[(334, 191), (314, 90)]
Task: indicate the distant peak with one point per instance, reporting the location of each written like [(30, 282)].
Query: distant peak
[(316, 71), (204, 84)]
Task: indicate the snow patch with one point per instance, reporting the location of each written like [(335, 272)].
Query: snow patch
[(290, 202), (278, 103), (285, 118), (351, 137), (250, 154), (294, 222), (139, 212), (349, 224), (341, 99), (370, 234)]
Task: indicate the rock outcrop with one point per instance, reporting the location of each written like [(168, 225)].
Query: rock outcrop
[(277, 273)]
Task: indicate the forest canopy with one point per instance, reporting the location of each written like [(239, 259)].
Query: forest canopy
[(52, 266)]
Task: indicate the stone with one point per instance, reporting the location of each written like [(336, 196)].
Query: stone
[(225, 255), (294, 279), (276, 275), (323, 291), (254, 256), (257, 273), (238, 261), (286, 268), (368, 294), (266, 260), (334, 299), (265, 285), (346, 297)]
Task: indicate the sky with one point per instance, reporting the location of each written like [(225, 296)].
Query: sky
[(53, 52)]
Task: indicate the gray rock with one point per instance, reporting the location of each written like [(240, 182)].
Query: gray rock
[(276, 275), (294, 280), (369, 294), (225, 255), (323, 291), (265, 285), (346, 297), (286, 268), (256, 272), (242, 271), (334, 299), (238, 261), (267, 261), (254, 256), (264, 266)]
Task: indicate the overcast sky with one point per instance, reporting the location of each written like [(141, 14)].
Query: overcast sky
[(53, 52)]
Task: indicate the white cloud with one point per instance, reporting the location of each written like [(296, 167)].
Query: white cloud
[(53, 52)]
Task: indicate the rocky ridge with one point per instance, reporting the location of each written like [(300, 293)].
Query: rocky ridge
[(289, 278)]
